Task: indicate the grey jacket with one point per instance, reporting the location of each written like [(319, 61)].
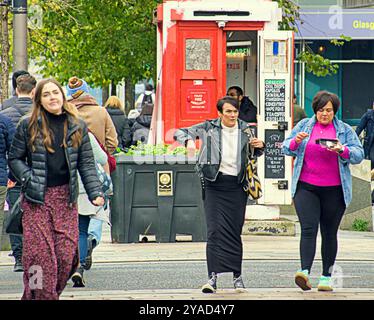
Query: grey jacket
[(209, 160)]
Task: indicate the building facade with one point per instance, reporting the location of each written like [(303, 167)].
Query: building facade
[(322, 22)]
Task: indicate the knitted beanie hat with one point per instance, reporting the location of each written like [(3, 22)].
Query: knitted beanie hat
[(76, 87)]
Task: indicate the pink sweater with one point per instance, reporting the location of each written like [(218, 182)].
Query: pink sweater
[(320, 166)]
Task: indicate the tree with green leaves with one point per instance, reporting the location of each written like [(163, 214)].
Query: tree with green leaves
[(107, 41), (315, 63), (4, 45), (102, 41)]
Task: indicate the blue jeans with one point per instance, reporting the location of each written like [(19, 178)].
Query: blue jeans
[(88, 226), (16, 241), (95, 229), (84, 222)]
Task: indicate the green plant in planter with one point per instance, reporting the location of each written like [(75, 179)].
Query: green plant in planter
[(360, 225), (142, 149)]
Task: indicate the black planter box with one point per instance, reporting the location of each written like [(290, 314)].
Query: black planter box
[(137, 209)]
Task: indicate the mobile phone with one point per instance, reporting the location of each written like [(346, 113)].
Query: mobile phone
[(328, 143)]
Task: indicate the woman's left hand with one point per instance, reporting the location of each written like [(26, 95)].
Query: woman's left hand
[(336, 148), (257, 143), (99, 201)]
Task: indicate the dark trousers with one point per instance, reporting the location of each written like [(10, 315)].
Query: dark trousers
[(316, 206), (84, 222), (16, 241)]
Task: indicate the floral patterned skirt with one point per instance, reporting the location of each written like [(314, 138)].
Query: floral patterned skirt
[(50, 244)]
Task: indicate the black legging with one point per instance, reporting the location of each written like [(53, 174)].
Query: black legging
[(319, 205)]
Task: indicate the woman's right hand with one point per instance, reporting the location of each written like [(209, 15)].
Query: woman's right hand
[(191, 148), (300, 137)]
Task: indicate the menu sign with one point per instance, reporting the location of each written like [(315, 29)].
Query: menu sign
[(274, 157), (275, 100)]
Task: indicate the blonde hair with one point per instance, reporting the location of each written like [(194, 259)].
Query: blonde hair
[(114, 102), (44, 131)]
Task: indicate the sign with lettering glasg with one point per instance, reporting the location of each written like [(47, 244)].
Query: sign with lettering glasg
[(274, 157)]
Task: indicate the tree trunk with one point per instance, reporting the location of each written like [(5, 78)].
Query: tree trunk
[(105, 93), (129, 95), (113, 91), (4, 44)]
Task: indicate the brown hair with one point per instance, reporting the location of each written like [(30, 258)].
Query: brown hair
[(25, 83), (114, 102), (43, 131), (322, 98)]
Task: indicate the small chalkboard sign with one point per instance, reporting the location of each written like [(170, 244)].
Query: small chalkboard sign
[(274, 157), (275, 100)]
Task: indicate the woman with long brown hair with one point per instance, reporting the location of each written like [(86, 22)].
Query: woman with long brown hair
[(49, 147)]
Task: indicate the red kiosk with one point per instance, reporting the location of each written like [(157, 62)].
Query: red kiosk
[(206, 46)]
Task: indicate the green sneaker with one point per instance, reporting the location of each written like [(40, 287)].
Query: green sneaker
[(302, 280), (324, 284)]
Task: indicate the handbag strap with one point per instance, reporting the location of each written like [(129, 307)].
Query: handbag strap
[(250, 149)]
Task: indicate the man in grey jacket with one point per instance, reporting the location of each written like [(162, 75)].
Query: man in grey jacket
[(25, 87)]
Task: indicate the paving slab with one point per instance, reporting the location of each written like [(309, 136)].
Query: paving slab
[(223, 294)]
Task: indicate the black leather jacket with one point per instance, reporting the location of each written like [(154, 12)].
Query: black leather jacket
[(209, 160), (30, 168)]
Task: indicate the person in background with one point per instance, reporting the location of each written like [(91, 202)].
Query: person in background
[(147, 97), (141, 127), (247, 109), (298, 112), (7, 130), (115, 109), (101, 125), (97, 118), (367, 124), (321, 183), (11, 101), (25, 88), (86, 211), (49, 148), (222, 165)]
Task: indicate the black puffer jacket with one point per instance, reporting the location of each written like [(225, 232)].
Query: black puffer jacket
[(140, 129), (30, 168), (121, 123), (18, 110)]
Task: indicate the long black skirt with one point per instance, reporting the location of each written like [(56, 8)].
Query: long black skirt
[(225, 203)]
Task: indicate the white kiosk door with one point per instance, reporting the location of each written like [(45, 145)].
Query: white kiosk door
[(275, 78)]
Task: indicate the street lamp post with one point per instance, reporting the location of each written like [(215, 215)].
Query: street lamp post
[(19, 35)]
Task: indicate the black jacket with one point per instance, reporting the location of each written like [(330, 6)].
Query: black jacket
[(121, 124), (140, 129), (247, 111), (367, 124), (15, 112), (209, 160), (7, 130), (9, 102), (30, 168)]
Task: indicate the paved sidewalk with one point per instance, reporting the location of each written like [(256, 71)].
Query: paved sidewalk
[(224, 294), (352, 246)]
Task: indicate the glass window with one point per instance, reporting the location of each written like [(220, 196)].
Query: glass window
[(357, 90), (198, 54)]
